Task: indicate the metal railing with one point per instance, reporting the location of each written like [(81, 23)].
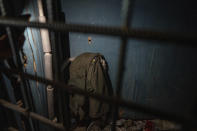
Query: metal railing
[(125, 33)]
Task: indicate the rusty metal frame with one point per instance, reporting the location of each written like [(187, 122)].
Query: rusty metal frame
[(125, 33)]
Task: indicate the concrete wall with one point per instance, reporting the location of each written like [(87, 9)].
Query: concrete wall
[(155, 75)]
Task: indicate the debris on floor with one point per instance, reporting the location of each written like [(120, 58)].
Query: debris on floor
[(133, 125)]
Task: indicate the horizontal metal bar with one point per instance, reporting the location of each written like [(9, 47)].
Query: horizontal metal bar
[(33, 115), (112, 31), (12, 129), (110, 100)]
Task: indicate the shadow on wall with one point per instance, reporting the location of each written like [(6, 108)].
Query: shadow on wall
[(155, 75)]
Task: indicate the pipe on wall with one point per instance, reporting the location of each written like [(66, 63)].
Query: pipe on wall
[(47, 60)]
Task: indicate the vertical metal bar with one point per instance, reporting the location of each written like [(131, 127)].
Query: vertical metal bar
[(126, 12), (62, 97), (54, 62), (16, 57), (63, 75)]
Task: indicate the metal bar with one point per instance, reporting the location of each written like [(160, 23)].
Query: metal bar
[(50, 10), (62, 97), (55, 61), (17, 61), (31, 114), (9, 34), (12, 129), (123, 48), (12, 98), (112, 31), (110, 100), (120, 75), (127, 11)]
